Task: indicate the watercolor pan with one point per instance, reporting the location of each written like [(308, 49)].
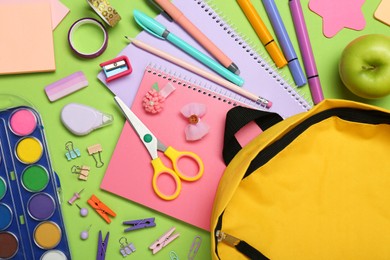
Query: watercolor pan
[(31, 223)]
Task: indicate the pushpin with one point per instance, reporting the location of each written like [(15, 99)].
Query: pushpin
[(85, 234), (75, 197), (83, 211)]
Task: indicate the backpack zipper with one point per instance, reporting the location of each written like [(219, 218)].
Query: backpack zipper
[(226, 238)]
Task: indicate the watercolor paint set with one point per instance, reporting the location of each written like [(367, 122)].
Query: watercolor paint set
[(31, 222)]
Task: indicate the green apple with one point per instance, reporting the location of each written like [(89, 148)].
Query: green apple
[(365, 66)]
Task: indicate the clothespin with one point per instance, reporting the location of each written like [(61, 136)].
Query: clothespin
[(102, 246), (94, 150), (82, 171), (72, 152), (139, 223), (126, 248), (164, 240), (101, 208)]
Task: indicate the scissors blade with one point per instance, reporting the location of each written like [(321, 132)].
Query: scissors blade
[(146, 136)]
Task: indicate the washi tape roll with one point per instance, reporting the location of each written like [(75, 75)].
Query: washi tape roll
[(105, 11), (76, 25)]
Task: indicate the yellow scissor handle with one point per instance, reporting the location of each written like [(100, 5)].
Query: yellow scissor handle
[(159, 169), (175, 157)]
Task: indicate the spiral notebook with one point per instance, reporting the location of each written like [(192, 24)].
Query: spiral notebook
[(129, 173), (260, 77)]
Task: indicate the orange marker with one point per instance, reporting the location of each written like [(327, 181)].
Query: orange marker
[(263, 33)]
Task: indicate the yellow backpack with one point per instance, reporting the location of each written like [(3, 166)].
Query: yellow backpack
[(313, 186)]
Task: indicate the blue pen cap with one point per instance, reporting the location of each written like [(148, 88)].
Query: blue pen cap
[(297, 73), (149, 24)]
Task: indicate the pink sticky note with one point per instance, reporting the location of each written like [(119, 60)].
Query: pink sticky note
[(339, 14), (58, 12)]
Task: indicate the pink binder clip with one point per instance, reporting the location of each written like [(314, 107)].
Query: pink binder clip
[(164, 240), (116, 68)]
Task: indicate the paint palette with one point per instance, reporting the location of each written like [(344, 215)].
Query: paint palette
[(31, 224)]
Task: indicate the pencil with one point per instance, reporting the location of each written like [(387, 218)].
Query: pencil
[(263, 33), (260, 100)]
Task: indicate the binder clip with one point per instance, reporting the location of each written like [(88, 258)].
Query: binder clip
[(126, 248), (116, 68), (82, 171), (95, 150), (101, 208), (163, 241), (72, 153), (139, 223), (194, 247)]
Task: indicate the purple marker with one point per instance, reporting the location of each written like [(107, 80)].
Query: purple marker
[(306, 51)]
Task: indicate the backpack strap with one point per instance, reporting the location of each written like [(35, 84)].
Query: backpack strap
[(237, 118)]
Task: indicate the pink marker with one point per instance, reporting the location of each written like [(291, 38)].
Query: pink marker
[(306, 51)]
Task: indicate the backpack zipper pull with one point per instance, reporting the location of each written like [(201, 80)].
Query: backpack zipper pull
[(226, 238)]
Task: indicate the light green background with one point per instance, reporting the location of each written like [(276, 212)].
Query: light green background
[(30, 86)]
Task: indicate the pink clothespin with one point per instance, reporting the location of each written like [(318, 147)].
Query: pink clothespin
[(164, 240)]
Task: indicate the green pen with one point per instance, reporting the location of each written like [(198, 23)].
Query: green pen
[(157, 29)]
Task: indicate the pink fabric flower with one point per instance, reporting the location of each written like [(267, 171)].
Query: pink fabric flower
[(196, 129), (153, 102)]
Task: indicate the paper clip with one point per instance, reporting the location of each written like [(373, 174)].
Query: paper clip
[(93, 150), (126, 248), (194, 247), (82, 171), (164, 240), (101, 208), (116, 68), (72, 152), (173, 255), (139, 223)]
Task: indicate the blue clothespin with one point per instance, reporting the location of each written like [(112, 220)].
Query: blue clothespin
[(102, 246), (139, 223)]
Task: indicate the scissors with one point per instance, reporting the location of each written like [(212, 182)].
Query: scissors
[(153, 145)]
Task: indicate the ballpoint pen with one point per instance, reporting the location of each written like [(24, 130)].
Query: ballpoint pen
[(263, 33), (210, 76), (285, 42), (176, 15), (157, 29), (306, 51)]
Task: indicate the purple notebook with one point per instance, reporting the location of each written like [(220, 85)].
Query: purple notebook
[(260, 77)]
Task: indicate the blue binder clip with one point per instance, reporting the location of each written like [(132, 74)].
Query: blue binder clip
[(72, 153), (139, 223), (116, 68)]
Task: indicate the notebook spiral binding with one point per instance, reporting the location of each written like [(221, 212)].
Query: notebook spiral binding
[(256, 53), (184, 81)]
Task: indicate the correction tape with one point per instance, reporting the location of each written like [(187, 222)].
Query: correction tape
[(81, 119)]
